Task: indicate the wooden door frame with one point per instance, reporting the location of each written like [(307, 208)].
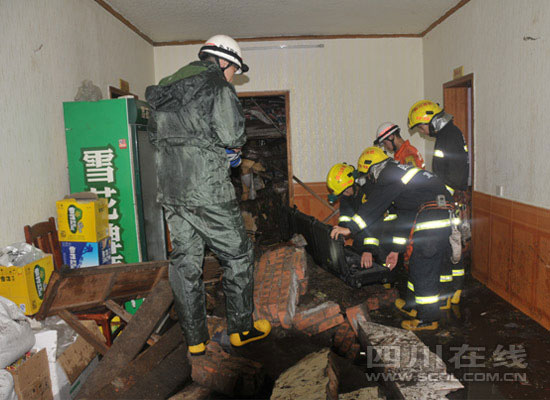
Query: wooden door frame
[(285, 93), (466, 81)]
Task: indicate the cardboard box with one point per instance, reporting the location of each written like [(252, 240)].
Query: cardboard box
[(32, 378), (26, 285), (86, 254), (82, 217), (80, 354)]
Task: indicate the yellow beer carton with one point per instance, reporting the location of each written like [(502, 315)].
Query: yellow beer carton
[(82, 217), (26, 285)]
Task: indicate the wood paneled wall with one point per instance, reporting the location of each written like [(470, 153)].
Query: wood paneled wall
[(511, 253), (308, 204)]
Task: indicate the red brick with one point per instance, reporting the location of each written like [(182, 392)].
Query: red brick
[(353, 351), (314, 320), (303, 286), (223, 373), (330, 323), (358, 313)]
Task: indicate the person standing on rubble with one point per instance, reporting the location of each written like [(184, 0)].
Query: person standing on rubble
[(420, 198), (388, 135), (450, 161), (196, 118)]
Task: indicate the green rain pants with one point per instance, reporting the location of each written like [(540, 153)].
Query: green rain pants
[(221, 228)]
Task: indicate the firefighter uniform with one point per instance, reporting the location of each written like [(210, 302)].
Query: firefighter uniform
[(409, 189), (376, 239)]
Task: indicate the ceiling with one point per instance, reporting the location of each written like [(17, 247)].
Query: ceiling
[(163, 21)]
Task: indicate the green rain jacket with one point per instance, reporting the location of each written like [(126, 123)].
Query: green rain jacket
[(196, 116)]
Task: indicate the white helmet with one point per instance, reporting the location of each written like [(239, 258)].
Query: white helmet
[(227, 48), (384, 131)]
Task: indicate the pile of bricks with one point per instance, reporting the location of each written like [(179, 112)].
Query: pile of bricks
[(318, 319), (382, 298), (223, 373), (279, 280)]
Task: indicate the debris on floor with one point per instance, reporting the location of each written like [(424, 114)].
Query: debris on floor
[(409, 362), (314, 377), (227, 374)]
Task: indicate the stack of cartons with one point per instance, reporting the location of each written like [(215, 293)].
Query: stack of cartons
[(83, 226)]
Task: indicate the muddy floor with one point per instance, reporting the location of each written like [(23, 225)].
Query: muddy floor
[(493, 349), (496, 351)]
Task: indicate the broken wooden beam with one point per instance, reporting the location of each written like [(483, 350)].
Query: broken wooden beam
[(132, 339), (122, 381), (118, 310), (79, 327)]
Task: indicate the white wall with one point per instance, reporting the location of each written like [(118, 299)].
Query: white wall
[(339, 94), (47, 49), (511, 91)]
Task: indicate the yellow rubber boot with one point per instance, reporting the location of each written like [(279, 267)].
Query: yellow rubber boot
[(445, 304), (400, 304), (261, 329), (417, 325), (456, 297), (198, 349)]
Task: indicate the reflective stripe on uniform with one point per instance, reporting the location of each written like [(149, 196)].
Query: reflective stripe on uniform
[(371, 241), (450, 189), (439, 154), (344, 218), (410, 286), (456, 221), (426, 299), (390, 217), (445, 278), (465, 148), (441, 223), (409, 175), (399, 240), (359, 221), (458, 272)]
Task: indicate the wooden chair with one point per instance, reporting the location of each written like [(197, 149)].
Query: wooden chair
[(44, 236)]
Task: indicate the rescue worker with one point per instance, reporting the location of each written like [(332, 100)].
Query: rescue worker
[(388, 135), (343, 186), (420, 198), (196, 117), (450, 161)]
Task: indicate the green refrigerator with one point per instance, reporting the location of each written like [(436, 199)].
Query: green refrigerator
[(109, 153)]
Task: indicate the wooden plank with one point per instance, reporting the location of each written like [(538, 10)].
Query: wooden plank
[(149, 360), (165, 379), (132, 339), (85, 288), (118, 310), (79, 327)]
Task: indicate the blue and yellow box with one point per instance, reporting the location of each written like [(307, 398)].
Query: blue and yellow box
[(86, 254)]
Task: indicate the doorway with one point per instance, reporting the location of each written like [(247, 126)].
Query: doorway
[(262, 182), (458, 99)]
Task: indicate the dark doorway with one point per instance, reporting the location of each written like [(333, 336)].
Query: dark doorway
[(261, 182)]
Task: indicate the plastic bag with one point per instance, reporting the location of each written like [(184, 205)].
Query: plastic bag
[(20, 254), (16, 335)]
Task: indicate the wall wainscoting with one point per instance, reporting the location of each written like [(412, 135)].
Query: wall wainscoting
[(511, 253)]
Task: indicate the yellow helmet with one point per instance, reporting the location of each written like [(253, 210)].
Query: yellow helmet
[(422, 112), (369, 157), (340, 177)]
